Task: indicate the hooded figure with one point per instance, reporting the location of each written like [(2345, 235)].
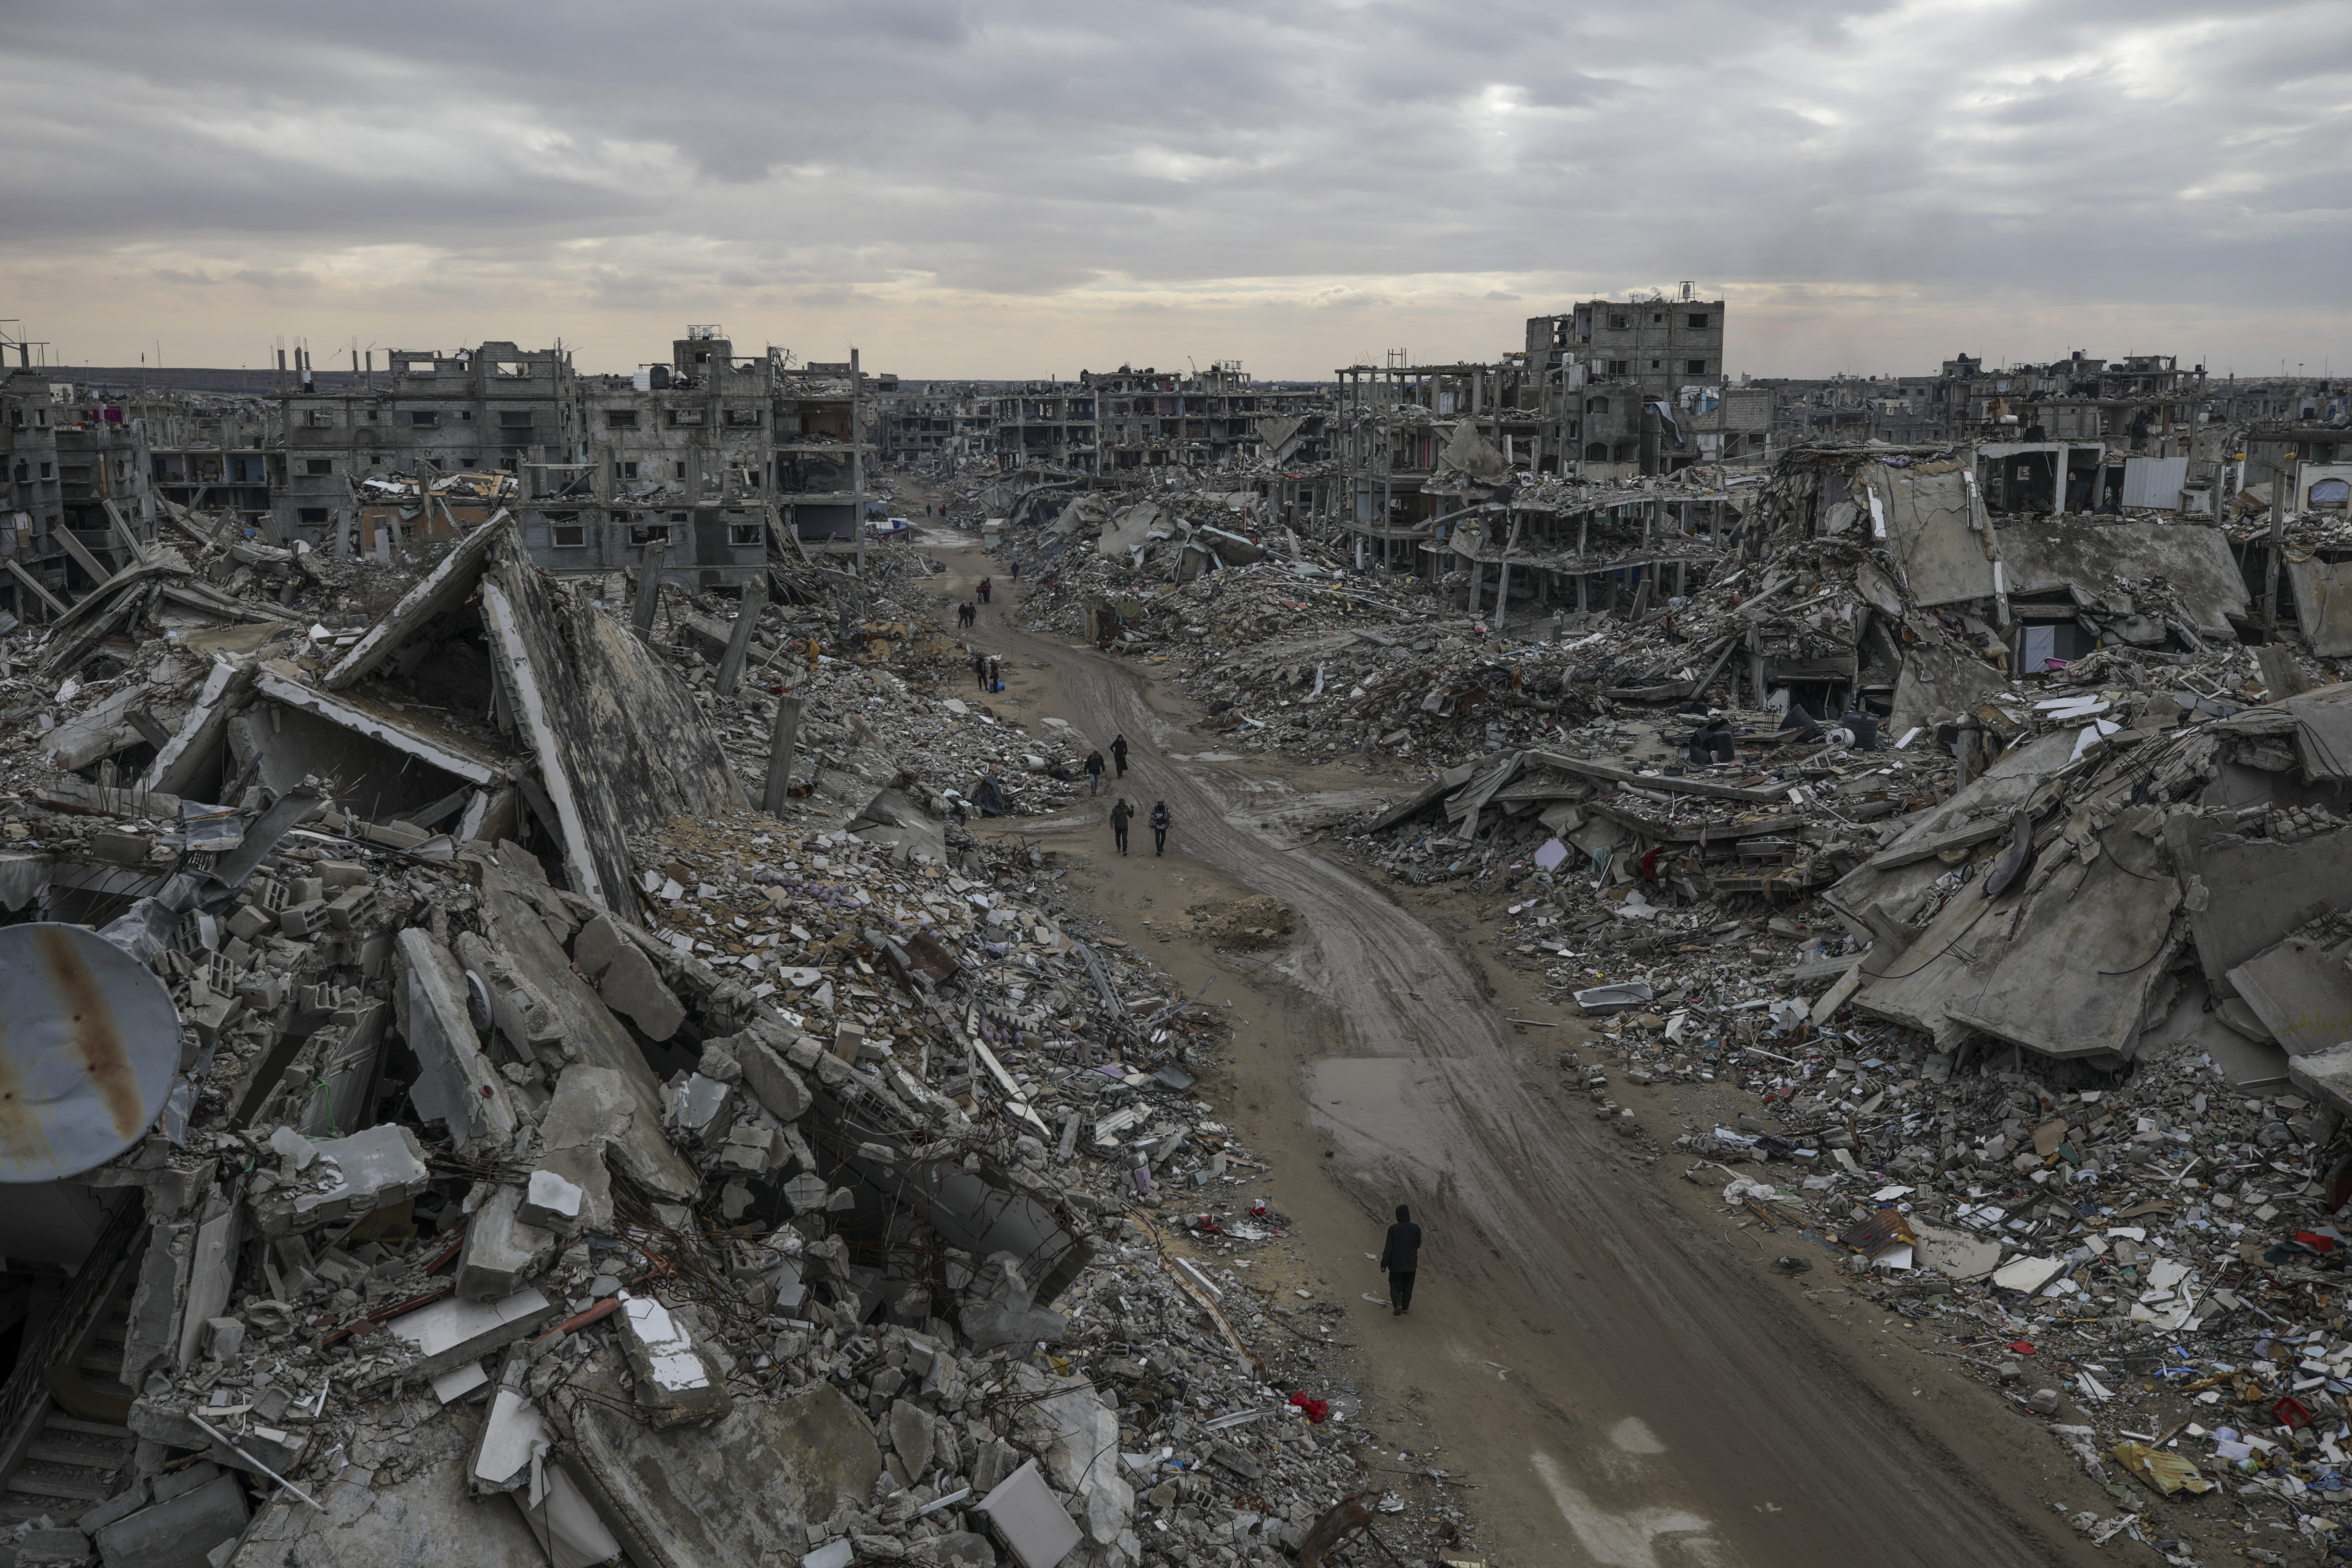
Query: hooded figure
[(1399, 1261)]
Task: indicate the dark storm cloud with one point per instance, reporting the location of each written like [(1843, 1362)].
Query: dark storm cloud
[(2153, 151)]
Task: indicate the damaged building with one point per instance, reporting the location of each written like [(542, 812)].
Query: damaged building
[(467, 1130)]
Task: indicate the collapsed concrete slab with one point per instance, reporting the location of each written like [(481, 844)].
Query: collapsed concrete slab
[(346, 1178), (450, 1332), (620, 744), (404, 1504), (2066, 966), (502, 1251), (719, 1495), (2326, 1074), (2247, 894), (180, 1532), (457, 1086), (518, 905), (1925, 513), (450, 583), (2092, 556), (2301, 990)]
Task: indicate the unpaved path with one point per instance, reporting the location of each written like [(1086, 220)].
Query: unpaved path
[(1618, 1376)]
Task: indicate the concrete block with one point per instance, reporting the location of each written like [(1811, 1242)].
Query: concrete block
[(501, 1253), (593, 948), (120, 847), (676, 1385), (171, 1483), (454, 1330), (303, 920), (344, 874), (550, 1201), (584, 1169), (348, 1177), (224, 1336), (910, 1435), (1029, 1518), (249, 921), (753, 1148), (772, 1079), (53, 1546), (179, 1532), (121, 1505), (633, 987)]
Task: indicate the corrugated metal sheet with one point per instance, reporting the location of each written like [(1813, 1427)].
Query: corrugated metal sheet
[(2155, 482)]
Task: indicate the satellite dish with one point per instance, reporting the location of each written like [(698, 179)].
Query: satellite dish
[(90, 1043)]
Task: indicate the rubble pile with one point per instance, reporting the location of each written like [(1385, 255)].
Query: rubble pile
[(557, 1162), (898, 705), (2039, 994)]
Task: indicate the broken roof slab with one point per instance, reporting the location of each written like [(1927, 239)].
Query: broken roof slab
[(448, 585), (2055, 554)]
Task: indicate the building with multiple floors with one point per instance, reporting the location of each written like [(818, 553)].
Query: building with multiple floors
[(76, 505)]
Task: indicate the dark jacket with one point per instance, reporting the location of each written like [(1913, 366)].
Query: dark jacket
[(1094, 761), (1121, 812), (1402, 1253), (1118, 748)]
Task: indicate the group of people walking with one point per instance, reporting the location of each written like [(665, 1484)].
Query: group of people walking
[(1161, 819), (1121, 814), (1401, 1253)]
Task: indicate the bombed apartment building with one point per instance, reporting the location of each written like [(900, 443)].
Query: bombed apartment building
[(433, 444), (78, 504), (469, 1132)]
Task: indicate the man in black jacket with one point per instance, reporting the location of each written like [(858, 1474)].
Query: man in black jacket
[(1399, 1261)]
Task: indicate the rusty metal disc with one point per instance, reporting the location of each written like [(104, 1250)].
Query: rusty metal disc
[(89, 1045)]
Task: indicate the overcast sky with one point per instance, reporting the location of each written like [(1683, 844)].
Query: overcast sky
[(1034, 187)]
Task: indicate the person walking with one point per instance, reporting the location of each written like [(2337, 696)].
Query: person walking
[(1121, 814), (1094, 772), (1119, 754), (1399, 1260), (983, 590), (1161, 820), (994, 679), (980, 669)]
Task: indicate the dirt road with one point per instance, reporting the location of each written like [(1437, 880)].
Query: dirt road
[(1623, 1380)]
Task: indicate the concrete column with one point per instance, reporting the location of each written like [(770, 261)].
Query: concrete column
[(649, 583), (747, 620), (780, 756)]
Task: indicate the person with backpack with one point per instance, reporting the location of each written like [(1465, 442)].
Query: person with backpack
[(1162, 819)]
